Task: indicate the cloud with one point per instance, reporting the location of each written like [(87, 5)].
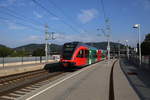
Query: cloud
[(55, 18), (146, 4), (142, 3), (33, 37), (62, 38), (7, 3), (37, 14), (87, 15), (13, 26)]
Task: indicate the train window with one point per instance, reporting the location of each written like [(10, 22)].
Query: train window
[(80, 54)]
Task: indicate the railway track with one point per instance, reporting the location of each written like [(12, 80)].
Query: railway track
[(13, 87)]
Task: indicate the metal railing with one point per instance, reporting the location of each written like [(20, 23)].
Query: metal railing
[(6, 61), (145, 61)]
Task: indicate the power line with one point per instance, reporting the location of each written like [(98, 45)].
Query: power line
[(52, 14), (20, 18), (24, 18), (31, 27), (64, 14), (103, 9)]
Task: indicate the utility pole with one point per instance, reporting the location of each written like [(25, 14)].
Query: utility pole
[(51, 38), (46, 42), (106, 33), (108, 37), (119, 49), (108, 46)]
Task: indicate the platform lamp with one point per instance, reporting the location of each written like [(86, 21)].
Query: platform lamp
[(138, 26)]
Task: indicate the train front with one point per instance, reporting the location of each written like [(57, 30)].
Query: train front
[(67, 53)]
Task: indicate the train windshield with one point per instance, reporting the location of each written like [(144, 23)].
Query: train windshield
[(68, 50)]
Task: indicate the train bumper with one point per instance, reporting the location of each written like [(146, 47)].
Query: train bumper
[(68, 64)]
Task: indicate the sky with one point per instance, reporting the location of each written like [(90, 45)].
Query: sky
[(23, 21)]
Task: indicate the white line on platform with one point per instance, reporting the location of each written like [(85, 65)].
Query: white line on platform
[(53, 85)]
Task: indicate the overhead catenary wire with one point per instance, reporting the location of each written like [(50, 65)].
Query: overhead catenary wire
[(52, 14), (25, 19), (30, 27), (103, 9), (64, 14), (106, 19), (21, 19)]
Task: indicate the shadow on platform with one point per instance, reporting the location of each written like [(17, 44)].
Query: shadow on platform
[(138, 77)]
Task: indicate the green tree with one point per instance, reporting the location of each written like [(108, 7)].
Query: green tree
[(38, 52), (4, 51), (20, 53), (145, 46)]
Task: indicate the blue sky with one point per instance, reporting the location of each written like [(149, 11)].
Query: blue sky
[(22, 21)]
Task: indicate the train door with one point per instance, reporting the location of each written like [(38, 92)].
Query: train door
[(90, 57), (81, 59), (87, 56)]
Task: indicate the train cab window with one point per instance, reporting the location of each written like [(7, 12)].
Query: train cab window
[(80, 54)]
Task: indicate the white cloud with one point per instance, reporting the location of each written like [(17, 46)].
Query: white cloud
[(7, 3), (84, 37), (13, 26), (33, 37), (146, 4), (37, 14), (87, 15), (142, 3), (55, 18)]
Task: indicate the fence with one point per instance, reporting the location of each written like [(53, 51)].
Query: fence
[(145, 61), (21, 60)]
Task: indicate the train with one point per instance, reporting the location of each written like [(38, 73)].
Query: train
[(78, 54)]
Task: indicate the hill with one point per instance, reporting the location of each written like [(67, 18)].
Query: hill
[(39, 49), (30, 48)]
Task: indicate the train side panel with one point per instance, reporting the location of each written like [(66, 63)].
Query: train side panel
[(80, 56)]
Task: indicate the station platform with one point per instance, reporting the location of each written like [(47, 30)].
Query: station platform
[(16, 68), (139, 78), (89, 83)]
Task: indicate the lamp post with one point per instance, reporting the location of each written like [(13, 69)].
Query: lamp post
[(138, 26), (127, 48)]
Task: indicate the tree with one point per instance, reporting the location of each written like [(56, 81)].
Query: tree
[(19, 53), (145, 46), (38, 52), (4, 51)]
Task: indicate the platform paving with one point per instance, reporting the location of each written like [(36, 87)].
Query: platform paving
[(139, 78), (89, 83), (122, 88)]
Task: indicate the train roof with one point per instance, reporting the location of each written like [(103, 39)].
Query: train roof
[(81, 44)]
